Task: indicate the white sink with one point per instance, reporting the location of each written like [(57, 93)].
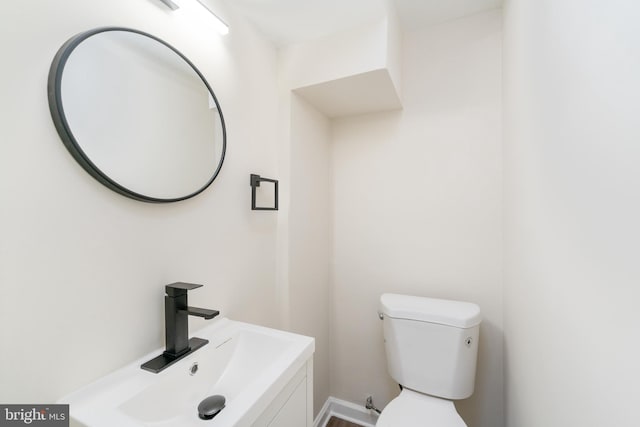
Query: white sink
[(247, 364)]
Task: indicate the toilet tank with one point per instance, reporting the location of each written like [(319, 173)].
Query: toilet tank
[(431, 344)]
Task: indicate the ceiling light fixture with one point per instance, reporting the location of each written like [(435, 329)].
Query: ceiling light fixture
[(218, 23)]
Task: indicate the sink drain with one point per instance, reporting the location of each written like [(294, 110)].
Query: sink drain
[(211, 406)]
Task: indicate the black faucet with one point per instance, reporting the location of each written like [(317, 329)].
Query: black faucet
[(176, 319)]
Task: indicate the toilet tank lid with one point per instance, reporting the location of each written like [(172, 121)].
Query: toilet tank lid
[(445, 312)]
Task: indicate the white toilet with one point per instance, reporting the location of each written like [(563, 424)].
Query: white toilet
[(432, 348)]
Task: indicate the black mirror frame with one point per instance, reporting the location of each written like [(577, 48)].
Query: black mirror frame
[(69, 140)]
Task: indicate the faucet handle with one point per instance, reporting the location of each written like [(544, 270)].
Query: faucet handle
[(180, 288), (202, 312)]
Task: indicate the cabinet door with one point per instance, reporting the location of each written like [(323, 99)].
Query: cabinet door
[(294, 412)]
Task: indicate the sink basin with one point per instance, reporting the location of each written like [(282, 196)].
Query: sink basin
[(247, 364)]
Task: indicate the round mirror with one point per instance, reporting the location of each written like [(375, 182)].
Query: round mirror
[(137, 114)]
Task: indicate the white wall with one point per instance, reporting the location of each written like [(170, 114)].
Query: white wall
[(310, 236), (83, 269), (334, 86), (361, 76), (571, 105), (351, 52), (417, 208)]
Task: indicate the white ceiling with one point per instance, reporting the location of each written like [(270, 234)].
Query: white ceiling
[(291, 21)]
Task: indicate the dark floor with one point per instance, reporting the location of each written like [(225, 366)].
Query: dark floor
[(337, 422)]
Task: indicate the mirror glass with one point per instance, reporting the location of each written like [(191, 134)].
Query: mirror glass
[(137, 114)]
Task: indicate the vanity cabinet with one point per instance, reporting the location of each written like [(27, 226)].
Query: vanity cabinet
[(293, 406)]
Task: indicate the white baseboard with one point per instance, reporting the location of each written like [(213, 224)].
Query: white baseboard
[(347, 411)]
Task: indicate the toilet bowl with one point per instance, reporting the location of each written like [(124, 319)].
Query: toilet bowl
[(432, 348), (413, 409)]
